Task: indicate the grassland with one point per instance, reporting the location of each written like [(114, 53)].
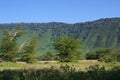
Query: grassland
[(78, 65), (54, 70)]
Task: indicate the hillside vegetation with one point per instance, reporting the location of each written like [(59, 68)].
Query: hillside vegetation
[(103, 33)]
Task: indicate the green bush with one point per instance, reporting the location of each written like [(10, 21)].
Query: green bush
[(92, 55), (49, 55), (105, 55)]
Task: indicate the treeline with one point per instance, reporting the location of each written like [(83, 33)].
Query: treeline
[(68, 48), (103, 33)]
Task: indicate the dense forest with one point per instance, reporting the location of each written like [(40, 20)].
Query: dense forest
[(102, 33)]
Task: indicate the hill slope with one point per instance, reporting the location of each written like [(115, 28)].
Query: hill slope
[(95, 34)]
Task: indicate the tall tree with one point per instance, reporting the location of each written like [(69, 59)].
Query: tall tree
[(67, 47), (8, 47), (28, 48)]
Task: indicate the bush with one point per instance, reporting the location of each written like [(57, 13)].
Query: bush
[(105, 55), (48, 56), (92, 55)]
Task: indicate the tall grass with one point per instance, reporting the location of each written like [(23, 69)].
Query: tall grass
[(63, 73)]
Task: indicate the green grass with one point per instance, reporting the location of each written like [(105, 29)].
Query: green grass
[(78, 65), (52, 70)]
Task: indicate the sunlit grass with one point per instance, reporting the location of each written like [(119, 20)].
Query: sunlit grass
[(79, 65)]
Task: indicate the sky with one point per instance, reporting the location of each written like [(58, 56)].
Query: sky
[(68, 11)]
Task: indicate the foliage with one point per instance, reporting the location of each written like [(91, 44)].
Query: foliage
[(8, 47), (67, 47), (106, 55), (92, 55), (29, 49), (102, 33), (49, 55), (63, 73)]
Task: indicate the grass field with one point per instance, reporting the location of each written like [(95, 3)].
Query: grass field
[(78, 65), (54, 70)]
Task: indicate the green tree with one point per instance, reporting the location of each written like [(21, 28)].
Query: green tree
[(8, 47), (108, 55), (28, 49), (67, 47)]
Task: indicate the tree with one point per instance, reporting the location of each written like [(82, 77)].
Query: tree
[(8, 47), (67, 47), (108, 55), (28, 49)]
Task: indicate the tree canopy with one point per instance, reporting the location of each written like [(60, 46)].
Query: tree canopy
[(67, 47), (8, 46)]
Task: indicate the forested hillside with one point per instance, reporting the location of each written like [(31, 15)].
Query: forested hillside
[(103, 33)]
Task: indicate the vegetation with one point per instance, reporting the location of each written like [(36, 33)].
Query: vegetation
[(29, 50), (94, 35), (8, 46), (56, 43), (103, 33), (10, 51), (106, 55), (49, 56), (67, 47), (63, 73)]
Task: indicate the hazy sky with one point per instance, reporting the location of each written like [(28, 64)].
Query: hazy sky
[(69, 11)]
